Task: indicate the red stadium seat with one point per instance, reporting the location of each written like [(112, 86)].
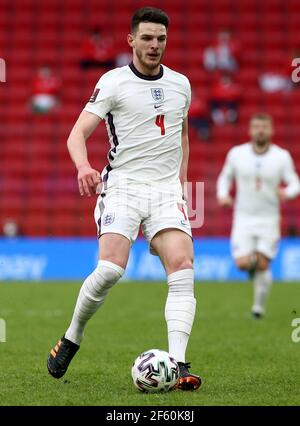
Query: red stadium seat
[(38, 179)]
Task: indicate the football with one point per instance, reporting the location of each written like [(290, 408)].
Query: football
[(155, 371)]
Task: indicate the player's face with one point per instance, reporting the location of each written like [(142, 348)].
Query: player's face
[(261, 131), (148, 44)]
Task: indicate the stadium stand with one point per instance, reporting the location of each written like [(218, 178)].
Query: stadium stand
[(38, 181)]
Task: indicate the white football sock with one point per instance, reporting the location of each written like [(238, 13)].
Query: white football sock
[(180, 311), (262, 285), (91, 296)]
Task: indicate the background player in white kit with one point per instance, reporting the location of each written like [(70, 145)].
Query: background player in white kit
[(258, 168), (145, 106)]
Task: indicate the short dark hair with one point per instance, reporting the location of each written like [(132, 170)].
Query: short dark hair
[(262, 116), (149, 14)]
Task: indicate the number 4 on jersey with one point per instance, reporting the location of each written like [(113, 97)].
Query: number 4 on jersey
[(160, 122)]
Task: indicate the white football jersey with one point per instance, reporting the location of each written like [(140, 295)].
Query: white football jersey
[(258, 177), (144, 117)]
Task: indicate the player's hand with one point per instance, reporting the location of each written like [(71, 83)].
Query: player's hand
[(184, 190), (282, 195), (225, 201), (184, 195), (88, 180)]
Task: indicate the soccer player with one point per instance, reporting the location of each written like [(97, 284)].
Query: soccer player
[(145, 107), (259, 168)]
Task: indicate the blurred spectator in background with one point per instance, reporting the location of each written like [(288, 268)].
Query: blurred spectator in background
[(123, 59), (45, 90), (279, 79), (225, 98), (199, 116), (275, 81), (223, 55), (97, 50), (10, 229)]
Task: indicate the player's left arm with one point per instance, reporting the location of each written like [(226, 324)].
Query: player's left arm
[(290, 179), (185, 155)]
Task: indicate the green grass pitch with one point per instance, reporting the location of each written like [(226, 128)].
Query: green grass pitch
[(242, 361)]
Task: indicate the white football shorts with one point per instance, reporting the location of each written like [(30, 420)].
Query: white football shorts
[(245, 241), (123, 208)]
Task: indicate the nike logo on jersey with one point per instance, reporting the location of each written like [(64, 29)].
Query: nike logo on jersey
[(158, 106), (184, 223)]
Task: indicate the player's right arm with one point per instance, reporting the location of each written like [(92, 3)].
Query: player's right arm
[(224, 182), (100, 103), (290, 179), (88, 178)]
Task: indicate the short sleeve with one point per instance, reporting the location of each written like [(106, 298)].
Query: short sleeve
[(226, 176), (288, 169), (290, 177), (188, 99), (103, 99)]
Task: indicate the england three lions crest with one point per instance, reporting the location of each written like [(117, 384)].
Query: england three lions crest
[(108, 219), (157, 94)]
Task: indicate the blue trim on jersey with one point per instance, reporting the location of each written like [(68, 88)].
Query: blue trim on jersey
[(114, 136), (147, 77), (105, 177), (110, 121), (101, 208)]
